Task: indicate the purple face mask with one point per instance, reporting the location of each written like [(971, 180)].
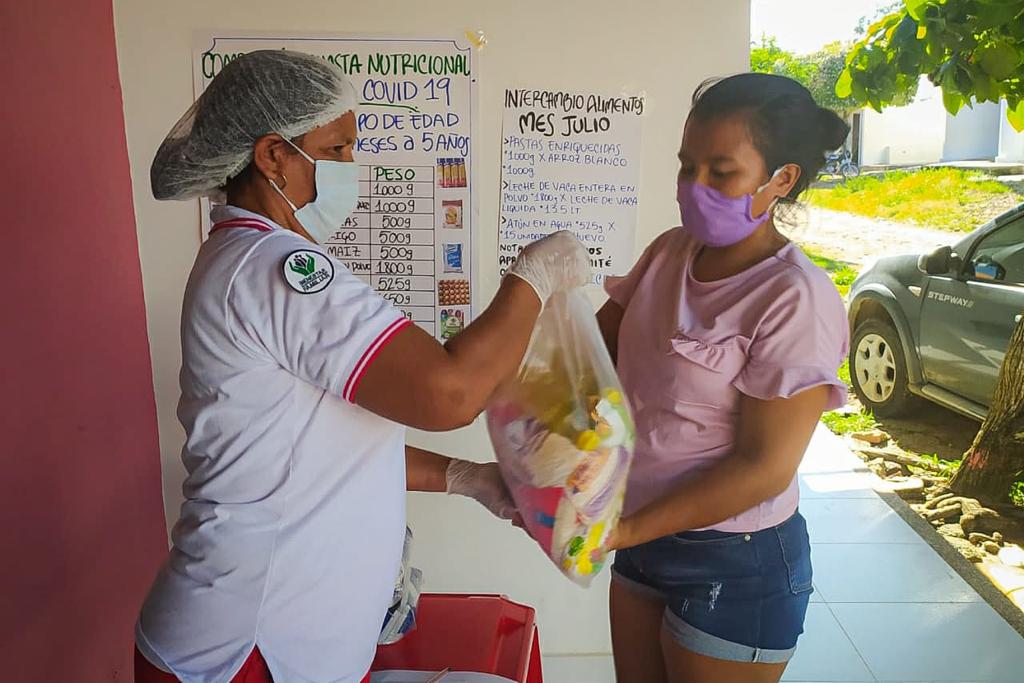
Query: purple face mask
[(717, 220)]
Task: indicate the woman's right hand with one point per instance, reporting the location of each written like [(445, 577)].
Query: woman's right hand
[(555, 263)]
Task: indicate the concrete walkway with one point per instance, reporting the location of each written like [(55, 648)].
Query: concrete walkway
[(858, 239), (886, 606)]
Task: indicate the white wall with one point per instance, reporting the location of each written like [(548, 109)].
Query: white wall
[(923, 132), (1011, 143), (661, 47), (913, 134), (973, 133)]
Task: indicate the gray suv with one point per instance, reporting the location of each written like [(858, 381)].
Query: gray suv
[(937, 325)]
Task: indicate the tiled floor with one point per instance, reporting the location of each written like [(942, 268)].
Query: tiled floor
[(887, 607)]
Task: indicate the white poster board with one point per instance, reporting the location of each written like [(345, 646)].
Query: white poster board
[(571, 161), (411, 236)]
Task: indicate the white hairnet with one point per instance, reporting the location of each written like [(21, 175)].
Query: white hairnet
[(268, 91)]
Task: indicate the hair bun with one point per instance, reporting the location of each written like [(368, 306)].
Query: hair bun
[(833, 131)]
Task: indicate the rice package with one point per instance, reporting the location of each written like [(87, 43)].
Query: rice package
[(564, 436)]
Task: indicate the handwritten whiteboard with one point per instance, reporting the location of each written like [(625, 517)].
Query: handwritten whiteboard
[(571, 161), (411, 236)]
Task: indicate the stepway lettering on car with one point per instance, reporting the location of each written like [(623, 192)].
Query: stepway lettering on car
[(950, 299)]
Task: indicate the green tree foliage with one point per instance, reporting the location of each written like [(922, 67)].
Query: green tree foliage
[(830, 61), (972, 49), (865, 22), (818, 72), (768, 58)]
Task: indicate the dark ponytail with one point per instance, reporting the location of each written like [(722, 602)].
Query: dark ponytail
[(786, 124)]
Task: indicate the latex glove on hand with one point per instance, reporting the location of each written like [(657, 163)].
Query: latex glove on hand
[(555, 263), (483, 483)]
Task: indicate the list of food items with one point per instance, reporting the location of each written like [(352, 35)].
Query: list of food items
[(571, 161), (411, 235)]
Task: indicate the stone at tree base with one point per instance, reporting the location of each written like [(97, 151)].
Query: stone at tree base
[(909, 489), (975, 516), (997, 537), (952, 530), (1012, 555), (874, 437), (970, 505), (936, 500), (892, 469), (965, 548), (991, 547), (979, 539), (945, 512), (980, 519)]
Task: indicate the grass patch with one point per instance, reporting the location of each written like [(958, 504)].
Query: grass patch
[(947, 468), (1017, 493), (947, 198), (848, 423), (842, 274), (844, 373)]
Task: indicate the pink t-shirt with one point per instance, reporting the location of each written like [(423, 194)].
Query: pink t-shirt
[(689, 349)]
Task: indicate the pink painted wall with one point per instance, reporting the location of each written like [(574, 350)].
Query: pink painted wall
[(81, 514)]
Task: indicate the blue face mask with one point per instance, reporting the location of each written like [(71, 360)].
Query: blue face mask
[(337, 194)]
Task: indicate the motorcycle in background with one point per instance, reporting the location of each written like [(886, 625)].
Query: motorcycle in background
[(839, 163)]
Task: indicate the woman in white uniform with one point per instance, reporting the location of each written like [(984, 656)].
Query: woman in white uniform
[(297, 383)]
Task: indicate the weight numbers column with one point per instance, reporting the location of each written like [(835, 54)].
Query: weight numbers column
[(402, 239)]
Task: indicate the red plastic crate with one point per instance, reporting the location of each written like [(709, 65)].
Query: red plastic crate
[(479, 633)]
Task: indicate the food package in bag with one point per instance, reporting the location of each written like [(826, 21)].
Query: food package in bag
[(564, 435), (401, 616)]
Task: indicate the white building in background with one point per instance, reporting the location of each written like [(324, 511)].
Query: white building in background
[(923, 132)]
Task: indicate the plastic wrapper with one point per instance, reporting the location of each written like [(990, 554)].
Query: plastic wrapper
[(564, 436), (401, 616)]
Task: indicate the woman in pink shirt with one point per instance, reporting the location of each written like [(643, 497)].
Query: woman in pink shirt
[(727, 340)]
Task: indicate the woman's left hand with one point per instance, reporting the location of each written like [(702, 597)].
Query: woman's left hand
[(483, 483)]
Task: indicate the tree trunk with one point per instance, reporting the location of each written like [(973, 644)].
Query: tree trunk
[(996, 458)]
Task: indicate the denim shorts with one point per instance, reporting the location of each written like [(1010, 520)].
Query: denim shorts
[(739, 597)]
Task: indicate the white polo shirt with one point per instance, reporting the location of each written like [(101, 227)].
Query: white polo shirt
[(291, 533)]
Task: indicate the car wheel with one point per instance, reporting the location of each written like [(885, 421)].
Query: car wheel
[(878, 369)]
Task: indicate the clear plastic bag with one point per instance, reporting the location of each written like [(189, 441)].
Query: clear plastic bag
[(401, 616), (564, 435)]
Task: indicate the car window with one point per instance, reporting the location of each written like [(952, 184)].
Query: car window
[(999, 256)]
